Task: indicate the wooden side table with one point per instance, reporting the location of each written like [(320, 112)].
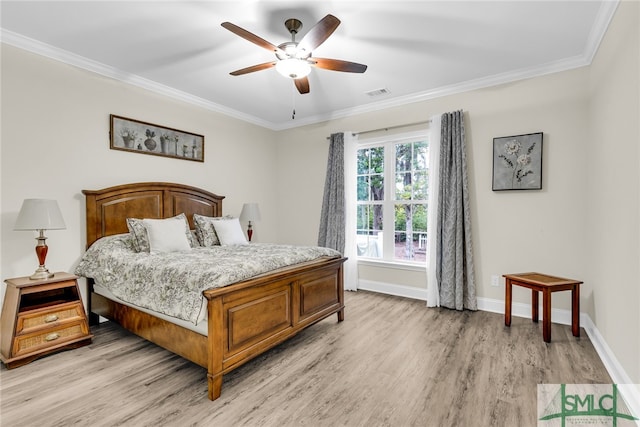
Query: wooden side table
[(546, 284), (40, 317)]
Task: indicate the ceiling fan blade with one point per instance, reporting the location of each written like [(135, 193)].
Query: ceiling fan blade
[(251, 37), (338, 65), (302, 85), (253, 68), (319, 33)]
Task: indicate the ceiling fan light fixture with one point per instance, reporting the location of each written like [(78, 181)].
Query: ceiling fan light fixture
[(293, 68)]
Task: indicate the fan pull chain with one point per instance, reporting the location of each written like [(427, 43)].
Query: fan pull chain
[(293, 102)]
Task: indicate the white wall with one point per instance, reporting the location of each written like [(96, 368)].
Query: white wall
[(613, 180), (55, 143)]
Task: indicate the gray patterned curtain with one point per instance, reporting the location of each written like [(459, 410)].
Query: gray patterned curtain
[(332, 220), (454, 257)]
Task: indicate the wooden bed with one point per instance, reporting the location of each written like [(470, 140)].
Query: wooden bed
[(244, 319)]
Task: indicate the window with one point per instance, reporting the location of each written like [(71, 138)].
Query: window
[(392, 183)]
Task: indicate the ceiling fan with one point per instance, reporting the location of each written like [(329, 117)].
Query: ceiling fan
[(294, 59)]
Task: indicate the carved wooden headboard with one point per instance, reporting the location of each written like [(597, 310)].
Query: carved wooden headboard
[(108, 209)]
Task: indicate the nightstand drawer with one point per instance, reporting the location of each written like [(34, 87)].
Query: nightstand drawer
[(36, 319), (28, 343)]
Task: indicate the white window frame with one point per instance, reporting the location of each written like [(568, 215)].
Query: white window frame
[(388, 211)]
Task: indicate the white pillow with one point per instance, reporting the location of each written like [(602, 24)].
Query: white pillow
[(166, 235), (229, 232)]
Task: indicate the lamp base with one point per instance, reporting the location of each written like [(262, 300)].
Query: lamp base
[(41, 252), (41, 273)]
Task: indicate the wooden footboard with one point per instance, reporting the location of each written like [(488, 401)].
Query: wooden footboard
[(258, 314)]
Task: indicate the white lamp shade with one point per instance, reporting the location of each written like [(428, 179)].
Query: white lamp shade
[(293, 68), (250, 212), (39, 214)]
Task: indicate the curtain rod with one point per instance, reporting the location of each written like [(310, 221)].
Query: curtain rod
[(390, 127)]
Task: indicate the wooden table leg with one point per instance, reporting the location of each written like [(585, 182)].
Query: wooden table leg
[(534, 305), (546, 315), (507, 302), (575, 310)]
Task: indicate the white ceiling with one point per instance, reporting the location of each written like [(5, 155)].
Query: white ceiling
[(415, 49)]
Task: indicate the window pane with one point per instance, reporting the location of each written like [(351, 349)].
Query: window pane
[(403, 186), (369, 218), (363, 188), (363, 217), (377, 187), (410, 232), (363, 161), (377, 160), (369, 239), (419, 218), (371, 174), (420, 153), (403, 157), (420, 185)]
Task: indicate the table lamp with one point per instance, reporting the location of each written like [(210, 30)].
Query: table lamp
[(40, 215), (250, 212)]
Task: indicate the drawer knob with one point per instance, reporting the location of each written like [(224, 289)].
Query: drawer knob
[(52, 337), (50, 318)]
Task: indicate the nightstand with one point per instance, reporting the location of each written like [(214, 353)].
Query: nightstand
[(40, 317)]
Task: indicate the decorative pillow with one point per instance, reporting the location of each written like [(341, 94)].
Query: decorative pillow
[(229, 232), (194, 239), (139, 233), (166, 235), (205, 231)]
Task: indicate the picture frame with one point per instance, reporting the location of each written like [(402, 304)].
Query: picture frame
[(517, 162), (147, 138)]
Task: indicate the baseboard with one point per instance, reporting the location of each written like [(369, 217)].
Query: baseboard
[(520, 309), (391, 289), (629, 391)]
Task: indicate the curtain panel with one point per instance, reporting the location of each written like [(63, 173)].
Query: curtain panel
[(338, 215), (454, 266), (433, 292), (332, 220)]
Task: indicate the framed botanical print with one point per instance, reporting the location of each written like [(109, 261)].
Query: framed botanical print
[(517, 162)]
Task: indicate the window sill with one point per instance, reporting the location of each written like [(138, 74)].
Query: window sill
[(395, 265)]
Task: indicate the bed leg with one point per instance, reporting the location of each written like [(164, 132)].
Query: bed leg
[(94, 319), (215, 386), (341, 315)]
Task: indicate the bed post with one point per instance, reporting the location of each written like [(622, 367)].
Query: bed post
[(341, 291), (216, 347)]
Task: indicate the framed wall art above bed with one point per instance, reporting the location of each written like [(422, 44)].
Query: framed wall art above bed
[(148, 138)]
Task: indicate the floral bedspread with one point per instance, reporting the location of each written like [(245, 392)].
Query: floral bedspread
[(172, 283)]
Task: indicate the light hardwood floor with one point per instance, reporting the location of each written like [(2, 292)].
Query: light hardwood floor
[(392, 362)]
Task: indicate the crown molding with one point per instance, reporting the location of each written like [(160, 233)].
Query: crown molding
[(599, 29), (467, 86), (61, 55)]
